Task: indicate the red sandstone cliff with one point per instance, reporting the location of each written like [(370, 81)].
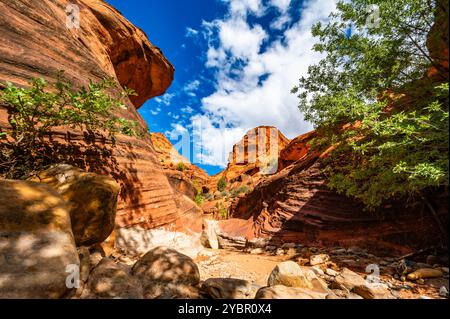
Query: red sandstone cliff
[(184, 176), (35, 42)]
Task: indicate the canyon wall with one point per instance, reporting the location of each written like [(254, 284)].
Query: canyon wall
[(36, 42)]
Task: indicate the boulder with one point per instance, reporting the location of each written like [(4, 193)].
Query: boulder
[(209, 235), (318, 259), (348, 279), (36, 241), (110, 280), (91, 200), (157, 290), (290, 274), (373, 291), (229, 288), (162, 266), (352, 282), (424, 273), (283, 292)]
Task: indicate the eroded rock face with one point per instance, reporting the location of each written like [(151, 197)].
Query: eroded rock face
[(255, 154), (184, 176), (91, 200), (36, 241), (296, 205), (37, 43), (297, 149)]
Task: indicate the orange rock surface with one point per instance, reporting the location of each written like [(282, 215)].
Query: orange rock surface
[(36, 42)]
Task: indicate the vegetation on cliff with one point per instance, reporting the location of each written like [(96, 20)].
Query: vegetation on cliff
[(370, 98), (35, 112)]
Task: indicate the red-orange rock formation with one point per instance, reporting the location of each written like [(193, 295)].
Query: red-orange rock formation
[(37, 43), (297, 149), (255, 155), (295, 205), (184, 176)]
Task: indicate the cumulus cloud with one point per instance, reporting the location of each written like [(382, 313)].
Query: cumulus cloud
[(254, 75)]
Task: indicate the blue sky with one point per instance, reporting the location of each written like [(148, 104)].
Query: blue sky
[(236, 62)]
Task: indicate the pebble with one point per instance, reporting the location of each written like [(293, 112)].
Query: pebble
[(291, 251), (289, 245), (423, 265), (318, 259), (256, 251), (331, 272), (279, 252)]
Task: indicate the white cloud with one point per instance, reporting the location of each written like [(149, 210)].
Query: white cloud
[(191, 87), (190, 32), (177, 130), (187, 109), (253, 82), (281, 5), (244, 7), (165, 99)]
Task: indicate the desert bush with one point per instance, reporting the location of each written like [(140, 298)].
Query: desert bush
[(181, 167), (35, 112), (221, 184)]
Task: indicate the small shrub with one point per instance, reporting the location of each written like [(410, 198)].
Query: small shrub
[(34, 112), (221, 184), (198, 199), (208, 196), (181, 167), (223, 213), (237, 191)]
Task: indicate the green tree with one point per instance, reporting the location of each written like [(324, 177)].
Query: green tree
[(221, 184), (386, 146), (35, 111)]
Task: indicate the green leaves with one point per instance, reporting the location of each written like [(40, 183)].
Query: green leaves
[(34, 112), (384, 149), (221, 184)]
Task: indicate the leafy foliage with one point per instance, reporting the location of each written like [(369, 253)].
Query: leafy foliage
[(386, 146), (221, 184), (240, 190), (34, 112), (199, 199), (181, 166)]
